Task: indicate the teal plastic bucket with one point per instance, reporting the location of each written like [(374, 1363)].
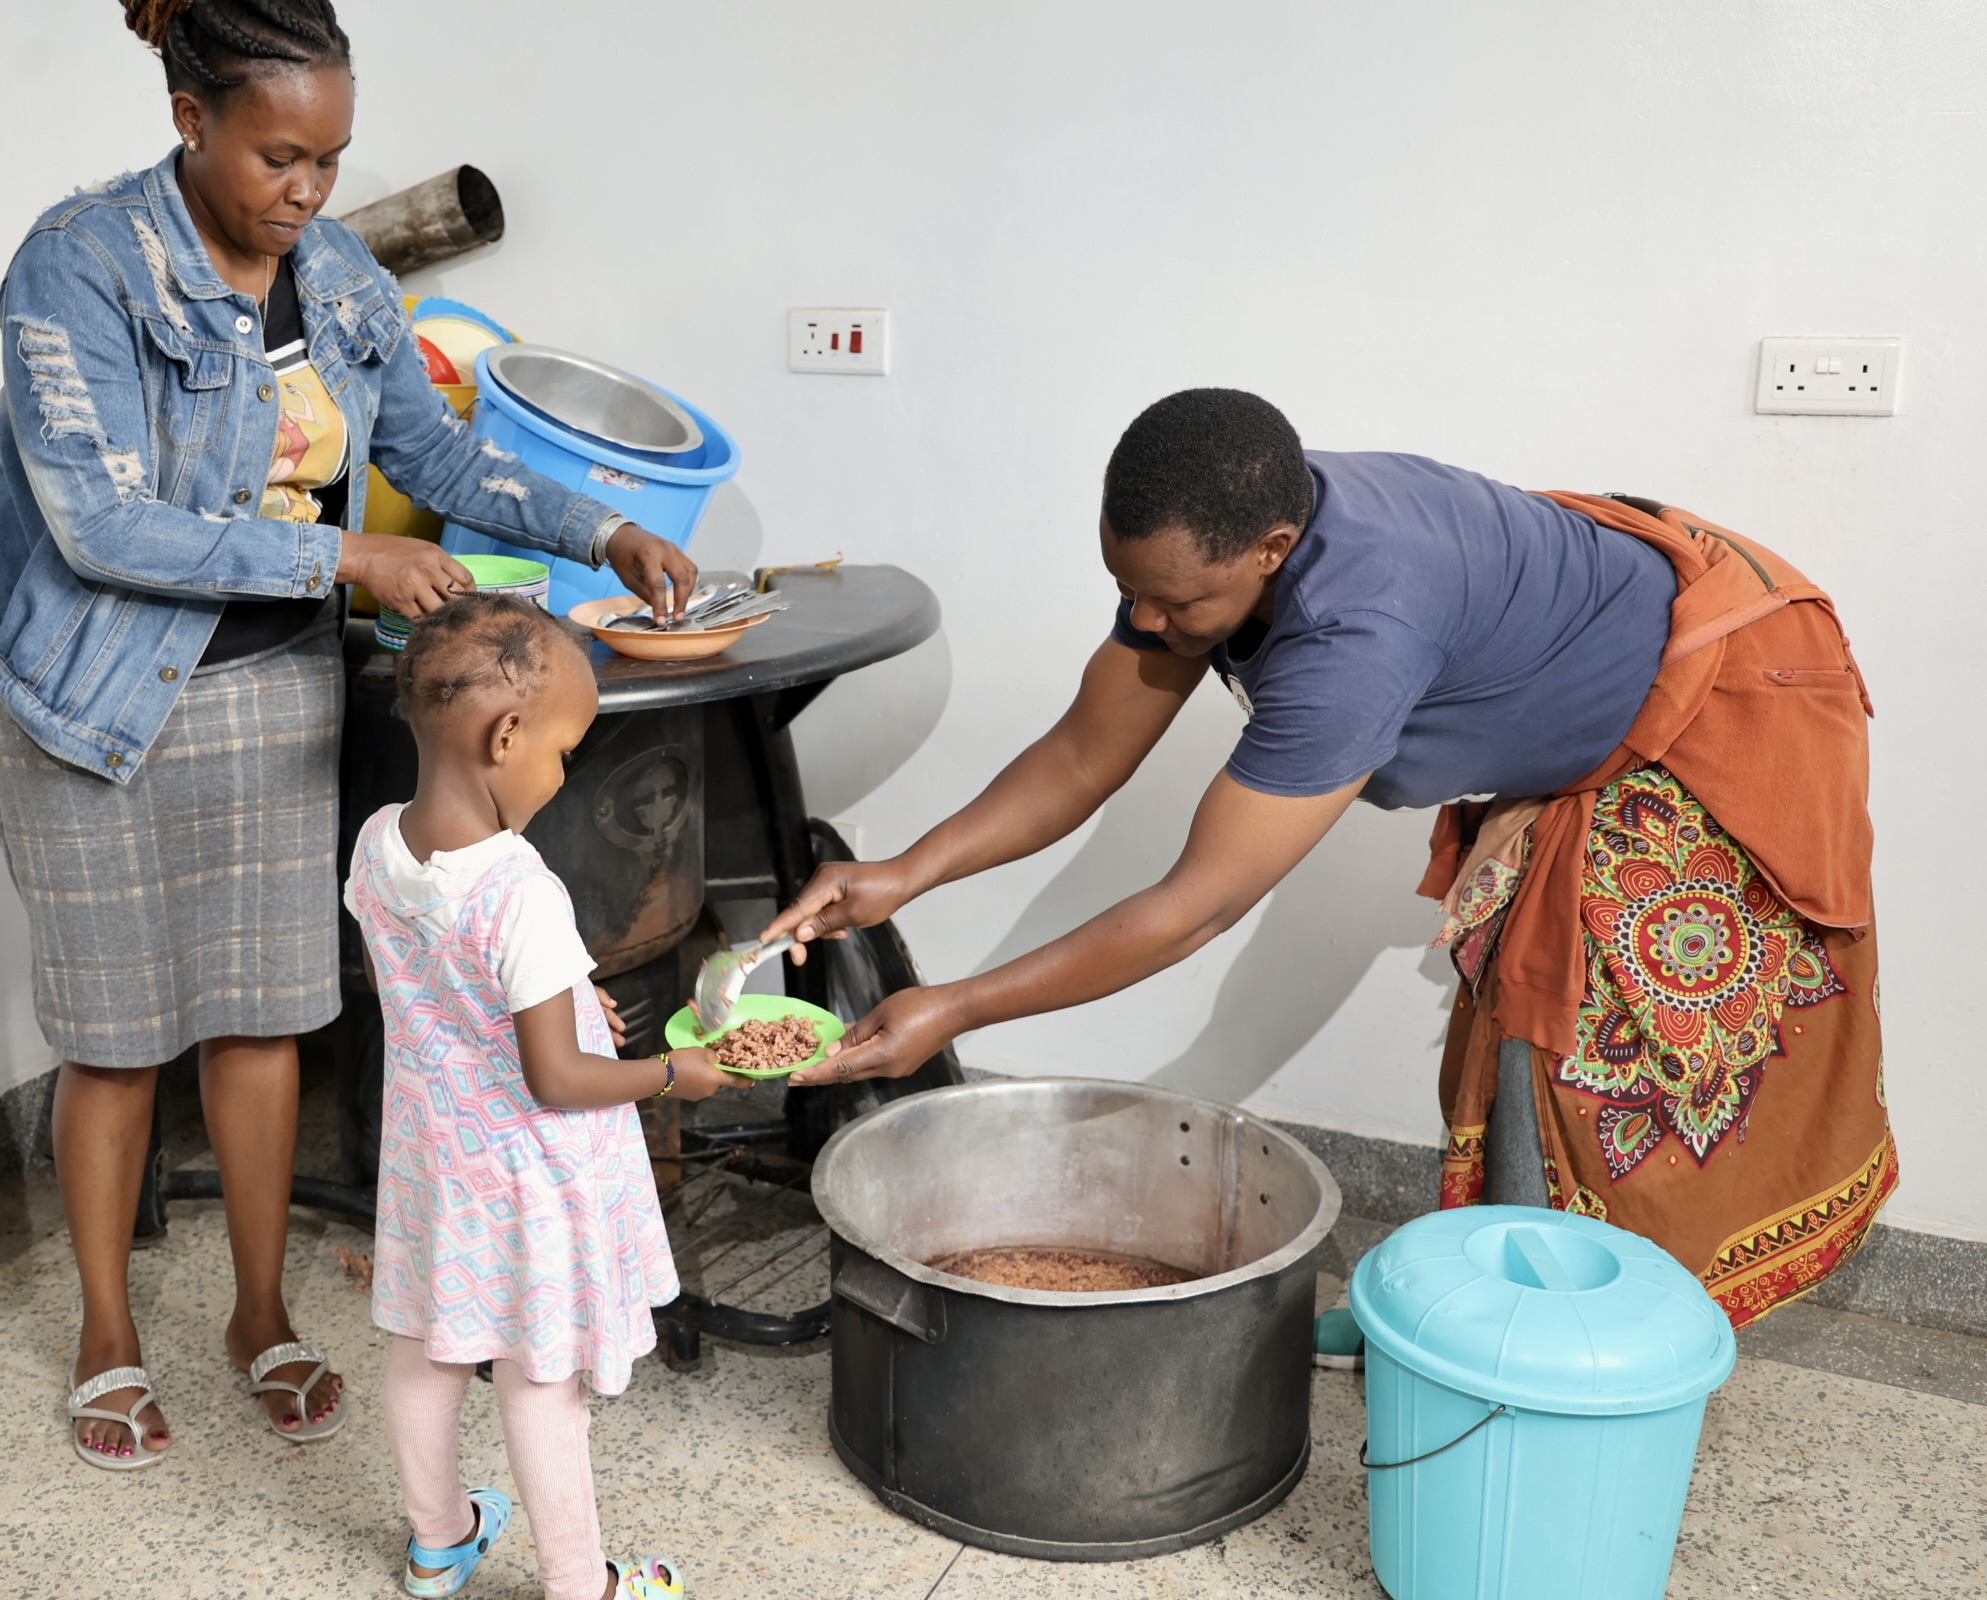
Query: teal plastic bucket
[(1535, 1387)]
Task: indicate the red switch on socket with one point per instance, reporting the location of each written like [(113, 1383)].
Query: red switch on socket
[(851, 340)]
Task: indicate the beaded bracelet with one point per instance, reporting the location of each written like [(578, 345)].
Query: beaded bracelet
[(669, 1061)]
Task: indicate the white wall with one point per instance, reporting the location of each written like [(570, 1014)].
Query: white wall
[(1536, 239)]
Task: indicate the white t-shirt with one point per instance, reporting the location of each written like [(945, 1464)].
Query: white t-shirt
[(539, 951)]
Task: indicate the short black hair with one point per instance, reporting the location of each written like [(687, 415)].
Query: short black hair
[(1225, 465), (477, 641), (212, 47)]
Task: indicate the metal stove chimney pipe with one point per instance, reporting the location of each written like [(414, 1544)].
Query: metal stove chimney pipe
[(433, 221)]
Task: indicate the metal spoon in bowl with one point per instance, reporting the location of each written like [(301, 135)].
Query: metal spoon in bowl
[(721, 980), (645, 621), (706, 603), (725, 613), (715, 616)]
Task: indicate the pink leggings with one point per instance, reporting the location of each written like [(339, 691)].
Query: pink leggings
[(545, 1437)]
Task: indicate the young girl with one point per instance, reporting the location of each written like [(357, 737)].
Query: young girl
[(518, 1221)]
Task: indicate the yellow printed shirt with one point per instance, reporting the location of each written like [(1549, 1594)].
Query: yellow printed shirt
[(311, 444)]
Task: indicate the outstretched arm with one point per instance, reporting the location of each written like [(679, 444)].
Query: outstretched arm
[(1241, 845), (564, 1077), (1126, 701)]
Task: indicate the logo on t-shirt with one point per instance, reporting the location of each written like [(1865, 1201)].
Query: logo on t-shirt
[(1241, 696)]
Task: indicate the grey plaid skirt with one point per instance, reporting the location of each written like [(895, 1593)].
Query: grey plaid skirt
[(199, 900)]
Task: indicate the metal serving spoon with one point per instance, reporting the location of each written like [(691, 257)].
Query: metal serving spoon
[(721, 980)]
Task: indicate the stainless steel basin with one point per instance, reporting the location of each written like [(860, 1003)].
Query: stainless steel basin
[(599, 401)]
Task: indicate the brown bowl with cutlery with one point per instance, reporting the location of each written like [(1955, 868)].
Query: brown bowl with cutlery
[(635, 632)]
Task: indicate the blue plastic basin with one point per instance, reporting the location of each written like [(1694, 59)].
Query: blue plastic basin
[(666, 494)]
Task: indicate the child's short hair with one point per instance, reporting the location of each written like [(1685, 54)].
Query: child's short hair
[(477, 641)]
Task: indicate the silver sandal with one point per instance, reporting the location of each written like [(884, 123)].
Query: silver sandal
[(260, 1383), (142, 1455)]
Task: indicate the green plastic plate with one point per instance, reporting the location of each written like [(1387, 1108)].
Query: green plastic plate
[(504, 572), (680, 1032)]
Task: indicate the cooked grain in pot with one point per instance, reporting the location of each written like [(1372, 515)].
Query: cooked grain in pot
[(1062, 1271), (764, 1046)]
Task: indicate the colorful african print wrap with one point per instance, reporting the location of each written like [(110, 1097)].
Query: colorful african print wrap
[(1725, 1093)]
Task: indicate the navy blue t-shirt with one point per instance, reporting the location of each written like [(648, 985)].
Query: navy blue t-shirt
[(1450, 635)]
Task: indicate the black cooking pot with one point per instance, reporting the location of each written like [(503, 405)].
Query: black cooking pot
[(1084, 1427)]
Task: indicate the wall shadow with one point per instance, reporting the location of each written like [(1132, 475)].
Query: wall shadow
[(863, 727), (1137, 835), (730, 536), (1321, 930), (1319, 934), (867, 725)]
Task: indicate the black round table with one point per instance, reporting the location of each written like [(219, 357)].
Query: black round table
[(838, 619)]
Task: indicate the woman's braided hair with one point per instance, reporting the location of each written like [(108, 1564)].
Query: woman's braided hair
[(211, 47)]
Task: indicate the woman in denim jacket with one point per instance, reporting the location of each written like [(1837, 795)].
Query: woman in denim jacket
[(197, 370)]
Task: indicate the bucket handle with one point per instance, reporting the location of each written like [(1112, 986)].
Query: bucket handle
[(1389, 1466)]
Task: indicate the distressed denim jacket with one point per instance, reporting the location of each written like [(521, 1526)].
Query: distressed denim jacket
[(141, 426)]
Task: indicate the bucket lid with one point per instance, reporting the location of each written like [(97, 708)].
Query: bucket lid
[(1542, 1310), (598, 401)]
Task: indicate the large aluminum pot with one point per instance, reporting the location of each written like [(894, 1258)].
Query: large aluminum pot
[(1088, 1427)]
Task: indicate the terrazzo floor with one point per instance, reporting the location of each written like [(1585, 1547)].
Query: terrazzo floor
[(1811, 1483)]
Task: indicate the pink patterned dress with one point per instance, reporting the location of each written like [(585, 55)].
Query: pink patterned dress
[(506, 1230)]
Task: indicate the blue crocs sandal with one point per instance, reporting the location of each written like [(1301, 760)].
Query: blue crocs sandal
[(1337, 1342), (651, 1578), (459, 1561)]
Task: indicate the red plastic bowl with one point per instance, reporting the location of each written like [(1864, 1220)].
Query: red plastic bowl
[(440, 368)]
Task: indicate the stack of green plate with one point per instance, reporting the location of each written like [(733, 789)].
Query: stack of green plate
[(528, 580)]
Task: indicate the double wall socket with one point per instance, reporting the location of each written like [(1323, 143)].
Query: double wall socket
[(850, 339), (1829, 377)]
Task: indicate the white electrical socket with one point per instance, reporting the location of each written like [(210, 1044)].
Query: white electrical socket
[(850, 339), (1829, 377)]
